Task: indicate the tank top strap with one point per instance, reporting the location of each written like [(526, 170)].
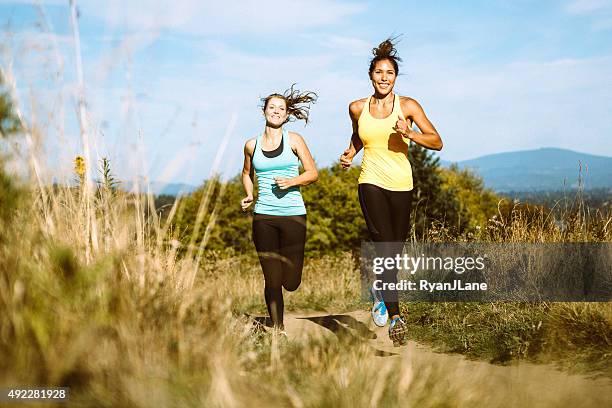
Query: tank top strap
[(259, 138), (284, 142), (366, 108), (287, 149), (257, 144), (397, 107)]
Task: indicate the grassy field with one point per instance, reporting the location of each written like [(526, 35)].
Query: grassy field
[(94, 296)]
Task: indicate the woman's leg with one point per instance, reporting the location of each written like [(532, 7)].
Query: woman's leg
[(376, 212), (266, 236), (401, 208), (379, 219), (293, 240)]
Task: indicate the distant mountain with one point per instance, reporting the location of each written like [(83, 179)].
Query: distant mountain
[(541, 169), (161, 188), (545, 169)]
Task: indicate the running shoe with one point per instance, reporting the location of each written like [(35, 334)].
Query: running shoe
[(398, 332), (379, 310)]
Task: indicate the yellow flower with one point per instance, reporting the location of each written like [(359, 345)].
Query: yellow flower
[(79, 166)]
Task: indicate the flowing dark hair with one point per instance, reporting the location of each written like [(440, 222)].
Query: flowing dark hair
[(298, 103), (385, 51)]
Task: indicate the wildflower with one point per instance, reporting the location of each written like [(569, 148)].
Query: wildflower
[(79, 169), (79, 166)]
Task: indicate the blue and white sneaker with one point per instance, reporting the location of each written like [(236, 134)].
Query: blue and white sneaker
[(379, 310), (398, 332)]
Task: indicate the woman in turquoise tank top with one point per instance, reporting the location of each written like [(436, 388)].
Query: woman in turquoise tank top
[(279, 220)]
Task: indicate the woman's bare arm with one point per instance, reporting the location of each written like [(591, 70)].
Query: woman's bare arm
[(355, 145), (248, 174), (428, 137), (310, 174)]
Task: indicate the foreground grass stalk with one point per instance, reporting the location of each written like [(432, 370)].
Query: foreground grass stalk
[(91, 230)]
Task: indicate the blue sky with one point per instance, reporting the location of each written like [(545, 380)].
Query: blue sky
[(173, 87)]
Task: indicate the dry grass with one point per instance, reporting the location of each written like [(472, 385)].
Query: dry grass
[(576, 336), (134, 325), (126, 328), (328, 283)]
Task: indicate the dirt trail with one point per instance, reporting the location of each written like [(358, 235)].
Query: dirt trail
[(520, 384)]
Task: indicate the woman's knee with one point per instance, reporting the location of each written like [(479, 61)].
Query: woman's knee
[(293, 284), (292, 287)]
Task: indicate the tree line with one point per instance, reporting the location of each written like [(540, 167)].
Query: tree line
[(452, 199)]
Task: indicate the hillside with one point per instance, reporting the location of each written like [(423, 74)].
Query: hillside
[(541, 169)]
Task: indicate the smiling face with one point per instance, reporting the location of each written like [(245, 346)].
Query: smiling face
[(383, 77), (275, 112)]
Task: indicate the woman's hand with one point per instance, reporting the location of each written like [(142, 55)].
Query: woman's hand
[(283, 183), (401, 127), (346, 159), (246, 202)]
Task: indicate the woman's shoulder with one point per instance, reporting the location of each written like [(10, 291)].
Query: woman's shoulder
[(357, 104), (408, 104), (356, 107), (249, 145), (296, 141), (295, 137)]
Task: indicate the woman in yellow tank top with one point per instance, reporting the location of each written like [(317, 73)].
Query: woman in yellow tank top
[(382, 125)]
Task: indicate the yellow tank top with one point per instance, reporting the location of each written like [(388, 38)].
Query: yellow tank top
[(385, 156)]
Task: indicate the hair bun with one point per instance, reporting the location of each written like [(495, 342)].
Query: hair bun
[(386, 49)]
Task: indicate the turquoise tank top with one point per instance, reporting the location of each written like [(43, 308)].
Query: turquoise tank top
[(271, 200)]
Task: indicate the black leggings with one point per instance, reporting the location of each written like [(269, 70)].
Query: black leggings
[(279, 241), (387, 216)]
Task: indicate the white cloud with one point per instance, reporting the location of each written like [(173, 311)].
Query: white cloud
[(245, 66), (600, 11), (516, 106), (512, 106), (204, 17), (36, 2), (116, 56), (603, 24), (345, 45), (522, 105), (587, 6), (38, 40)]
